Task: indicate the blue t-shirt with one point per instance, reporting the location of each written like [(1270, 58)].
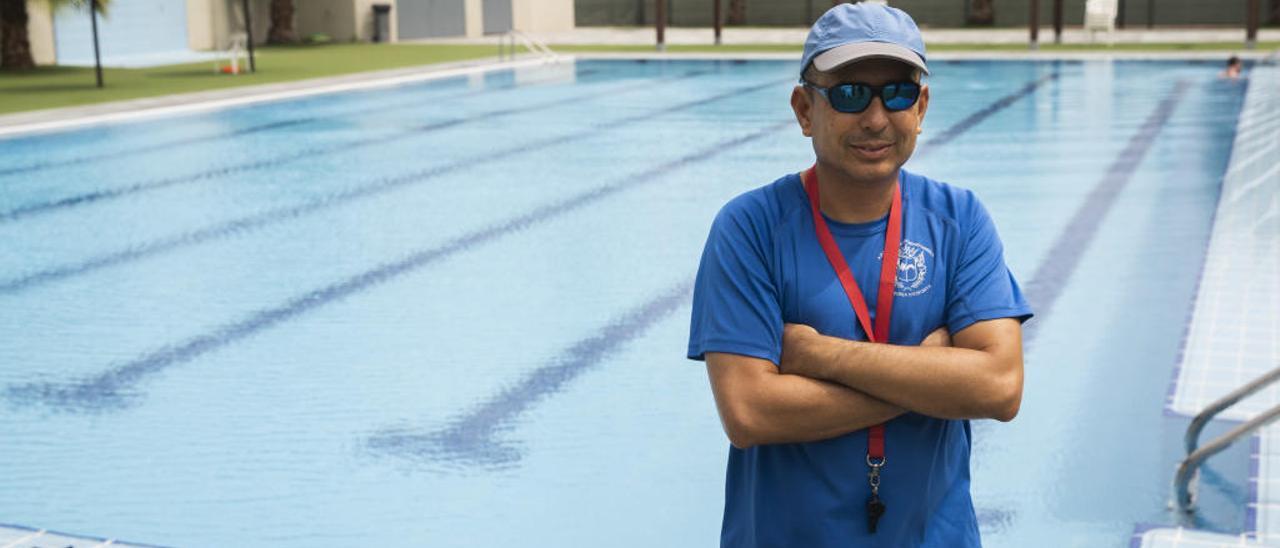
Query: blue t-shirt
[(762, 267)]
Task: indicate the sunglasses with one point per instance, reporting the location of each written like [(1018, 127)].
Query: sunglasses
[(855, 97)]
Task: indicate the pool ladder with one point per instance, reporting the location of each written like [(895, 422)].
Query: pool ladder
[(507, 46), (1188, 469)]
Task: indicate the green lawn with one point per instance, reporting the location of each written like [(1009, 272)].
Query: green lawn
[(49, 87)]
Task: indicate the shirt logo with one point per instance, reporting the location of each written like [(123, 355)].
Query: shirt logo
[(913, 269)]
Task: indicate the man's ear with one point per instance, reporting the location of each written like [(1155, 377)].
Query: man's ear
[(802, 106), (922, 106)]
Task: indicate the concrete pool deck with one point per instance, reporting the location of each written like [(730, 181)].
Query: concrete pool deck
[(68, 117)]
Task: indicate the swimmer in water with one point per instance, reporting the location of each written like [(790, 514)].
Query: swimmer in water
[(1234, 66)]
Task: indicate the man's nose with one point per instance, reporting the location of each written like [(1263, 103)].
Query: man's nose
[(875, 119)]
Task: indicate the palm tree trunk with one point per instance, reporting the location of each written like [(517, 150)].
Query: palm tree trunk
[(737, 12), (15, 47), (282, 23), (982, 12)]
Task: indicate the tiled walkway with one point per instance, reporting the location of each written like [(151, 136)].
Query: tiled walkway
[(12, 536), (1188, 538)]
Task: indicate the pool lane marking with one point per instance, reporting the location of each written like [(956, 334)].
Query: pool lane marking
[(1064, 255), (49, 206), (104, 390), (257, 220), (376, 187), (107, 390), (270, 217), (454, 443), (114, 155), (469, 439), (152, 148), (978, 116)]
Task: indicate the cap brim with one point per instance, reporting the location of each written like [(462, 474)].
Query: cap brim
[(842, 55)]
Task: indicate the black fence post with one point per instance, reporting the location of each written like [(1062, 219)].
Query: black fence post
[(719, 20), (1057, 21), (248, 31), (1035, 24), (660, 22), (1251, 25)]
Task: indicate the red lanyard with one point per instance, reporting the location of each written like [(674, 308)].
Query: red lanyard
[(888, 277)]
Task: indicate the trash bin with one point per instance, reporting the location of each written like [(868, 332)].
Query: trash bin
[(381, 22)]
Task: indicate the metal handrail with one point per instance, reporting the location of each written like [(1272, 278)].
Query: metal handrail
[(1221, 404), (531, 43), (1187, 469)]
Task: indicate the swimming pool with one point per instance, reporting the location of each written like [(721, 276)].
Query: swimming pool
[(454, 313)]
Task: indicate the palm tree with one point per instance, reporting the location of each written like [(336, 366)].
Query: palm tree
[(282, 23), (15, 48)]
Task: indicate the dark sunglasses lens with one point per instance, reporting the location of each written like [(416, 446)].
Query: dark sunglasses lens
[(850, 97), (900, 96)]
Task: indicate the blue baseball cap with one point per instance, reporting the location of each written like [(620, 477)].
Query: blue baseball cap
[(851, 32)]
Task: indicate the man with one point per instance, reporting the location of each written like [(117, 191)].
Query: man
[(838, 441)]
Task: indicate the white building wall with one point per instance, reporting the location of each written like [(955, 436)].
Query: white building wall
[(131, 29), (475, 18), (542, 15)]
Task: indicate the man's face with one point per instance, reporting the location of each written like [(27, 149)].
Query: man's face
[(868, 146)]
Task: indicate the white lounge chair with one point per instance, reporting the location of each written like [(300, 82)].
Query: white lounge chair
[(236, 49), (1100, 15)]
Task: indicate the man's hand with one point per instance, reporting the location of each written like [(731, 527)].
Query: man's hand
[(798, 344)]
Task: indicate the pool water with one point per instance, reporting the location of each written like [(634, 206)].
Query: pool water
[(454, 313)]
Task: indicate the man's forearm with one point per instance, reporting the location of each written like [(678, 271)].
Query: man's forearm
[(759, 405), (799, 409), (941, 382)]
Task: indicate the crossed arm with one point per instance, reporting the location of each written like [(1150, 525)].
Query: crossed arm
[(827, 386)]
